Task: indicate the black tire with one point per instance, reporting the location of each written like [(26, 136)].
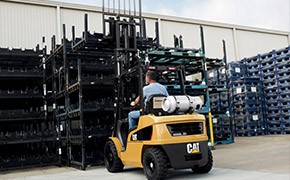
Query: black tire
[(207, 167), (155, 164), (112, 161)]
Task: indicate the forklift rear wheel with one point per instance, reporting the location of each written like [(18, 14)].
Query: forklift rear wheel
[(207, 167), (155, 163), (112, 161)]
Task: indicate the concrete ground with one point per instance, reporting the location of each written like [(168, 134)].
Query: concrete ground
[(262, 157)]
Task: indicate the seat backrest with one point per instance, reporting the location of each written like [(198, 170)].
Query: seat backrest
[(154, 105)]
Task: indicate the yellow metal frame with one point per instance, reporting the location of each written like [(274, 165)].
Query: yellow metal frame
[(211, 130), (132, 154)]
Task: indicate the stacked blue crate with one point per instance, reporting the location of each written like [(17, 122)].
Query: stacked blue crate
[(217, 77), (273, 70), (283, 80), (217, 128), (247, 107), (224, 108), (222, 79), (223, 103), (212, 78), (285, 52), (285, 117), (253, 65), (212, 81), (254, 69), (219, 105), (221, 120), (222, 129), (214, 102), (236, 70), (271, 92)]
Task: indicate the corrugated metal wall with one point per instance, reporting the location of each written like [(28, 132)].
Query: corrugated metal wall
[(213, 38), (71, 17), (189, 32), (250, 43), (24, 25), (24, 22)]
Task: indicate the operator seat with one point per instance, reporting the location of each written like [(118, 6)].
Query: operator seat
[(154, 105)]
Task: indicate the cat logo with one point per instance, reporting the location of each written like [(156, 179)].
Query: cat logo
[(134, 137), (192, 148)]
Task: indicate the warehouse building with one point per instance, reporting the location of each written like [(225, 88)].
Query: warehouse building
[(69, 73), (25, 22)]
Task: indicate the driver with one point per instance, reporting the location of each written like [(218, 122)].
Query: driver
[(152, 88)]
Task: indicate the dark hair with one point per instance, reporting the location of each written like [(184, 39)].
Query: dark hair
[(151, 75)]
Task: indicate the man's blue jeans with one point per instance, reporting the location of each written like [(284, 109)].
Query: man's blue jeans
[(133, 118)]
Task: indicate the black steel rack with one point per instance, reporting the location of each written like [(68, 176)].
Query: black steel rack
[(23, 124)]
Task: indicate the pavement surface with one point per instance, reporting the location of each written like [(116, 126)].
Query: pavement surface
[(261, 157)]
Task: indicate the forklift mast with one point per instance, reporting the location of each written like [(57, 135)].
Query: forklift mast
[(125, 27), (135, 53)]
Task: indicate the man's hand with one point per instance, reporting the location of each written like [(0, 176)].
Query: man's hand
[(133, 103)]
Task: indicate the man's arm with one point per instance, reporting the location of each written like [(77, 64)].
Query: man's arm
[(137, 100)]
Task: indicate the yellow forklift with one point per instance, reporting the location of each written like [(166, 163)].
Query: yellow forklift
[(169, 133)]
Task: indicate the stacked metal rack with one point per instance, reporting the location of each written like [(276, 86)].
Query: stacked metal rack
[(79, 76), (191, 64), (80, 80), (217, 80), (197, 67), (54, 85), (91, 76), (28, 138)]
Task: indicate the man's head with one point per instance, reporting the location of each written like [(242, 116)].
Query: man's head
[(150, 77)]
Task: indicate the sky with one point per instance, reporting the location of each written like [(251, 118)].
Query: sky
[(268, 14)]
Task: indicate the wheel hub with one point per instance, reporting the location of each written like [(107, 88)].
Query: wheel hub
[(151, 165)]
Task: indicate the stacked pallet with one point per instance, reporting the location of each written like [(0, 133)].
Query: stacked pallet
[(219, 105), (247, 107), (271, 71), (277, 85)]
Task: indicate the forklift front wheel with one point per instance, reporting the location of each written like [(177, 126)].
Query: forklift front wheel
[(112, 161)]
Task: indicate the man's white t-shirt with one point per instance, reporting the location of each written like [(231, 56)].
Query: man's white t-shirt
[(153, 89)]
